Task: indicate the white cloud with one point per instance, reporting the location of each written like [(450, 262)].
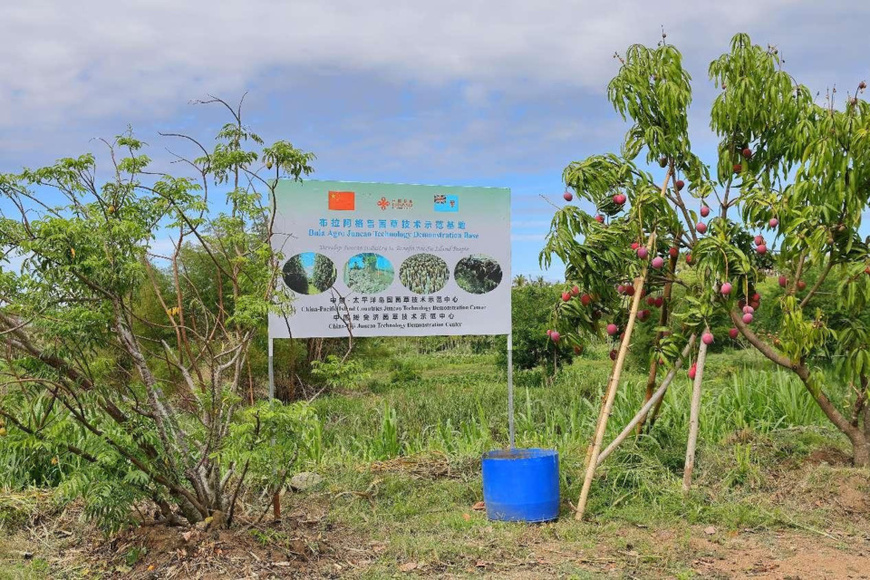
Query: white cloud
[(498, 88), (61, 59)]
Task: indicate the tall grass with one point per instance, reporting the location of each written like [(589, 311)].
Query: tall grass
[(465, 413)]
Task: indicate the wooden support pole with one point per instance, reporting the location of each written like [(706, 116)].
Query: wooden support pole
[(612, 386), (694, 416), (613, 383), (656, 396)]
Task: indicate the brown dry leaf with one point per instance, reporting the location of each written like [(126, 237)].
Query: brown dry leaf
[(408, 567), (466, 517), (479, 506), (709, 530)]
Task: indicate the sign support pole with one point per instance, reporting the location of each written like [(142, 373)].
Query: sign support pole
[(510, 378), (271, 368)]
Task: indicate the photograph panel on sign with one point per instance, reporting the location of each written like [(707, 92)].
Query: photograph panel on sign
[(424, 273), (368, 273), (309, 273), (478, 274)]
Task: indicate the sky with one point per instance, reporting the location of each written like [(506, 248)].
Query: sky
[(446, 92)]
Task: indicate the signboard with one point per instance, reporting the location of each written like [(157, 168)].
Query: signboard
[(379, 259)]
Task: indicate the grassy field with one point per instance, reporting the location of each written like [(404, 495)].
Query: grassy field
[(400, 457)]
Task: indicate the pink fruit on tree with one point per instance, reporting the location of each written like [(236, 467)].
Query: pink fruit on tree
[(634, 245), (585, 300), (575, 291), (705, 211), (726, 288), (755, 298), (642, 253), (758, 240), (679, 184), (733, 333), (701, 227), (693, 371), (783, 281), (599, 218), (619, 199), (748, 310), (566, 296), (554, 336), (762, 249), (773, 222), (673, 252), (568, 196), (612, 329), (613, 354), (650, 301), (659, 301), (658, 262), (801, 285), (747, 318), (707, 338)]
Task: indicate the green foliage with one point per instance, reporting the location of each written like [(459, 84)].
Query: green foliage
[(336, 373), (122, 366), (295, 276), (324, 273), (269, 439), (532, 316), (424, 273), (478, 274), (794, 173)]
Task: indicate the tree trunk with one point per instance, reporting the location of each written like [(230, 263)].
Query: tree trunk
[(861, 453), (663, 321)]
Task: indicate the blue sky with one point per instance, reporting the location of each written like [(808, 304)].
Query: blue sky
[(470, 93)]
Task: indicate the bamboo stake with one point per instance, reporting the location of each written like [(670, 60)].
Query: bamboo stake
[(659, 394), (612, 386), (604, 415), (694, 415)]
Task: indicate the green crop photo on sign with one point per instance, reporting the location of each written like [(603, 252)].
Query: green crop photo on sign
[(385, 259)]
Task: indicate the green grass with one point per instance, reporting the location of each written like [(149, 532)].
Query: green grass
[(401, 459), (757, 425)]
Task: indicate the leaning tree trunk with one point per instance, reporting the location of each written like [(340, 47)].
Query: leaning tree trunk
[(858, 436)]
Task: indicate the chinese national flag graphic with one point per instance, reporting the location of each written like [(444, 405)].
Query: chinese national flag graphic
[(341, 200)]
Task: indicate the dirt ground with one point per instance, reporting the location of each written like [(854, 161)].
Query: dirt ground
[(303, 546), (343, 534)]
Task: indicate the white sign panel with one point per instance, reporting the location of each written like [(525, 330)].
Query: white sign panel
[(380, 259)]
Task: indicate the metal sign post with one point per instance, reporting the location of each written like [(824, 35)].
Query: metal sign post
[(271, 368), (510, 378)]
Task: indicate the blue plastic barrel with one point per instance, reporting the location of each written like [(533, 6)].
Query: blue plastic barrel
[(521, 485)]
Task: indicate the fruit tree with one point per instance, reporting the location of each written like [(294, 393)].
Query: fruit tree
[(783, 197)]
